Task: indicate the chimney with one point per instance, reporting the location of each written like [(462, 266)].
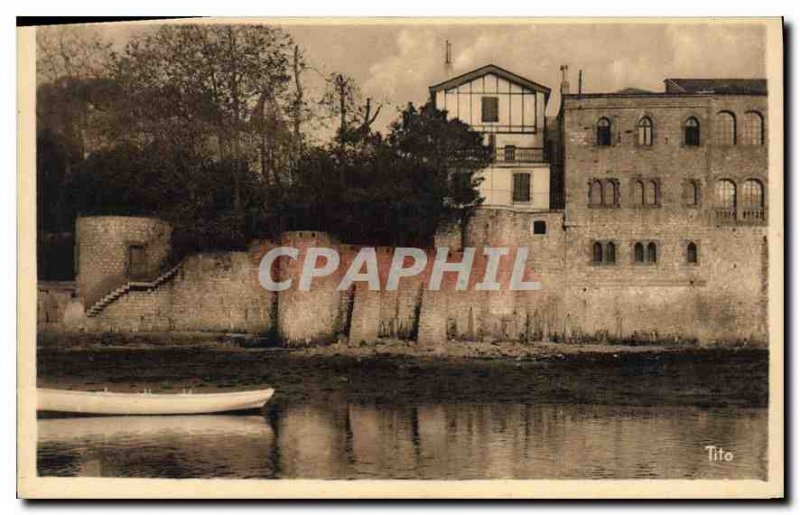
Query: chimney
[(580, 82), (564, 82)]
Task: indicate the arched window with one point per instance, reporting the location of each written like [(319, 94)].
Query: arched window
[(752, 200), (651, 193), (596, 193), (610, 193), (753, 128), (597, 252), (691, 132), (604, 132), (645, 131), (651, 252), (725, 128), (691, 253), (611, 252), (638, 193), (638, 253), (725, 202)]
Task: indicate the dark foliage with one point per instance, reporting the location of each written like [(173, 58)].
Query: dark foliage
[(392, 191), (193, 194)]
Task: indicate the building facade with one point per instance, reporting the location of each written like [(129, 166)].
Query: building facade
[(509, 110), (645, 215), (666, 207)]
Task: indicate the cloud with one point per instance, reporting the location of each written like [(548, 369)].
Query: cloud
[(394, 63)]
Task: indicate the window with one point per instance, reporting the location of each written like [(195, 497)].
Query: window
[(638, 253), (651, 252), (752, 200), (597, 252), (596, 193), (691, 253), (645, 131), (604, 132), (638, 193), (691, 193), (489, 109), (753, 128), (539, 227), (691, 132), (644, 252), (651, 193), (610, 193), (522, 187), (604, 193), (604, 252), (510, 153), (611, 252), (725, 202), (725, 129)]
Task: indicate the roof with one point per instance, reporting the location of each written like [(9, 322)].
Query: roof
[(485, 70), (634, 91), (717, 86)]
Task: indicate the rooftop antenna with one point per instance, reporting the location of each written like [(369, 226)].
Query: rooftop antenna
[(564, 81), (448, 61)]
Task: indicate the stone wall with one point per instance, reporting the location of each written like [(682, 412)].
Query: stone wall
[(722, 297), (317, 314), (52, 301), (494, 315), (212, 291)]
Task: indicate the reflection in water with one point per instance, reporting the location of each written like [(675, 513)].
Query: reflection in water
[(457, 441)]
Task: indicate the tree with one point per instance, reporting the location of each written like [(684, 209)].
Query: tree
[(392, 191), (192, 193), (342, 99), (70, 52), (222, 91), (72, 99)]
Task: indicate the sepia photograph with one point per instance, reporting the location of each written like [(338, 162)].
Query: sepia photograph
[(410, 258)]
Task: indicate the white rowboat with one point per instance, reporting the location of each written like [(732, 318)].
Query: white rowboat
[(108, 403)]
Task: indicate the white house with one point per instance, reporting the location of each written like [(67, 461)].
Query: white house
[(510, 111)]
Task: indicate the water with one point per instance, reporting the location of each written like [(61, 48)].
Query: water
[(414, 441)]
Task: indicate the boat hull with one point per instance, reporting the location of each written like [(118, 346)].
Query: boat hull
[(108, 403)]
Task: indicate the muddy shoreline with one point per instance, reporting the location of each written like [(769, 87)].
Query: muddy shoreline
[(400, 372)]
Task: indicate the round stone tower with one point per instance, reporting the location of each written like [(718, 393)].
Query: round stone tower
[(112, 250), (313, 315)]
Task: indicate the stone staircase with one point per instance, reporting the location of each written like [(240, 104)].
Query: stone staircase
[(113, 295)]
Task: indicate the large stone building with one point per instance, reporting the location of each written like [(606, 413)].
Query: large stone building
[(665, 212), (645, 215)]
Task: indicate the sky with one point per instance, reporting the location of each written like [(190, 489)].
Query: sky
[(394, 63)]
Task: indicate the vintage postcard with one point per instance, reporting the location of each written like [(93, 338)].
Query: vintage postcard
[(401, 258)]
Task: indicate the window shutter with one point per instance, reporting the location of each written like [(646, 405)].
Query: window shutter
[(489, 109), (522, 187)]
